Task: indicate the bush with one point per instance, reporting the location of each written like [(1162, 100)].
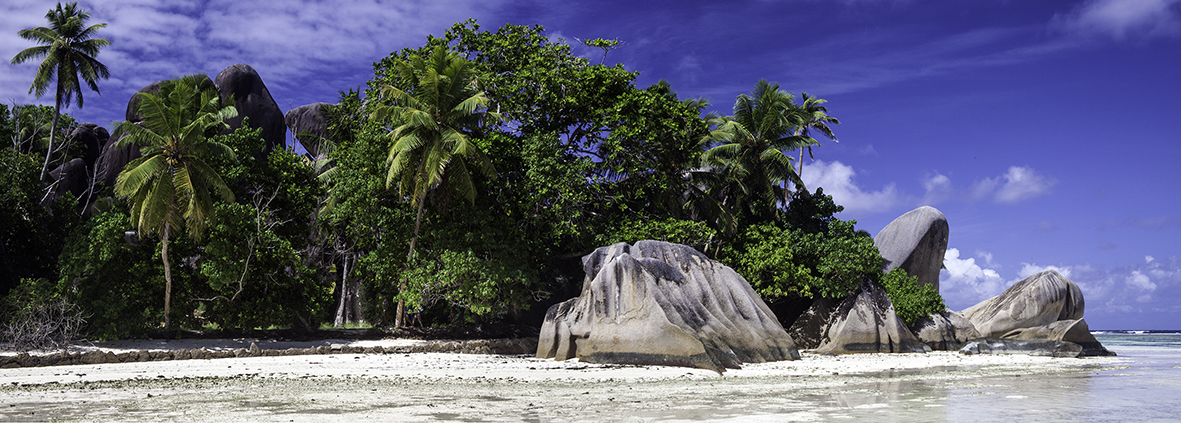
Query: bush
[(792, 263), (686, 232), (911, 300), (32, 323)]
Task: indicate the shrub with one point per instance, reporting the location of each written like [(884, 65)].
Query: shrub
[(32, 323), (911, 300)]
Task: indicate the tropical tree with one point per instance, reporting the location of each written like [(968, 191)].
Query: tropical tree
[(170, 187), (434, 118), (69, 48), (751, 156), (813, 116)]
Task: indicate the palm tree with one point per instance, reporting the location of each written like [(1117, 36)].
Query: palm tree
[(170, 187), (752, 154), (434, 118), (69, 51), (814, 116)]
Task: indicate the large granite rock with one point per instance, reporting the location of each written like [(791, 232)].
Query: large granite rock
[(663, 304), (866, 323), (916, 242), (1038, 300), (1074, 331), (93, 137), (70, 180), (310, 119), (945, 331), (114, 158), (253, 100), (809, 330), (1018, 346)]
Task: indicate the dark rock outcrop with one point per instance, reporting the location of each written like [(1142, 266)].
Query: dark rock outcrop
[(310, 119), (71, 180), (945, 331), (916, 242), (1074, 331), (1018, 346), (809, 330), (92, 136), (254, 101), (866, 323), (663, 304), (1038, 300)]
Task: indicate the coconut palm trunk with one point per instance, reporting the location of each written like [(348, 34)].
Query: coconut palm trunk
[(167, 276)]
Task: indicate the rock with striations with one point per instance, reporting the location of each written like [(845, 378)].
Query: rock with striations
[(809, 330), (945, 331), (916, 242), (1046, 348), (663, 304), (308, 119), (253, 100), (1038, 300), (1073, 330), (865, 322)]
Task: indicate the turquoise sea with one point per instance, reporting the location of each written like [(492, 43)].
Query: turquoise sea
[(1143, 385)]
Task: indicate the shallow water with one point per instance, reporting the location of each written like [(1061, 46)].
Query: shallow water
[(1143, 384)]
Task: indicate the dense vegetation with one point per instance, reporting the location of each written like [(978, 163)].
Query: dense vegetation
[(463, 183)]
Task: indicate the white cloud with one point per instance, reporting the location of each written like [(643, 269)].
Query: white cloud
[(1028, 270), (1148, 259), (1020, 183), (1122, 19), (964, 282), (1140, 281), (837, 180), (938, 189), (302, 48)]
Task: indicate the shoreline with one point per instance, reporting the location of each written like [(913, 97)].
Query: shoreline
[(475, 387)]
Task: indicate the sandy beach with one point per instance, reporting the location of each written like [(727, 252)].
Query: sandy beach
[(472, 387)]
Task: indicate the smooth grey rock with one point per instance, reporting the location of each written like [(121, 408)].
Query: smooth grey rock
[(1017, 346), (809, 330), (310, 119), (916, 242), (93, 137), (1075, 331), (664, 304), (866, 323), (253, 100), (1038, 300), (944, 331), (71, 181)]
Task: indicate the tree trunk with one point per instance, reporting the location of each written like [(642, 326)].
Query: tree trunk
[(349, 308), (52, 136), (400, 317), (167, 277)]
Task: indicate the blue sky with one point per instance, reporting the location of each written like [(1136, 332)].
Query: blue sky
[(1046, 131)]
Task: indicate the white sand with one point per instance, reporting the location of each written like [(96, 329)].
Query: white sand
[(438, 386)]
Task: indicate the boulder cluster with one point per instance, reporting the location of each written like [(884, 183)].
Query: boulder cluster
[(239, 84), (660, 303)]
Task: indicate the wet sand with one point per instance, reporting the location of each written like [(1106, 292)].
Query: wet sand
[(468, 387)]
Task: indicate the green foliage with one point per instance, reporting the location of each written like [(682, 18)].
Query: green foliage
[(783, 262), (31, 236), (117, 283), (485, 288), (28, 128), (256, 277), (686, 232), (28, 321), (911, 300)]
